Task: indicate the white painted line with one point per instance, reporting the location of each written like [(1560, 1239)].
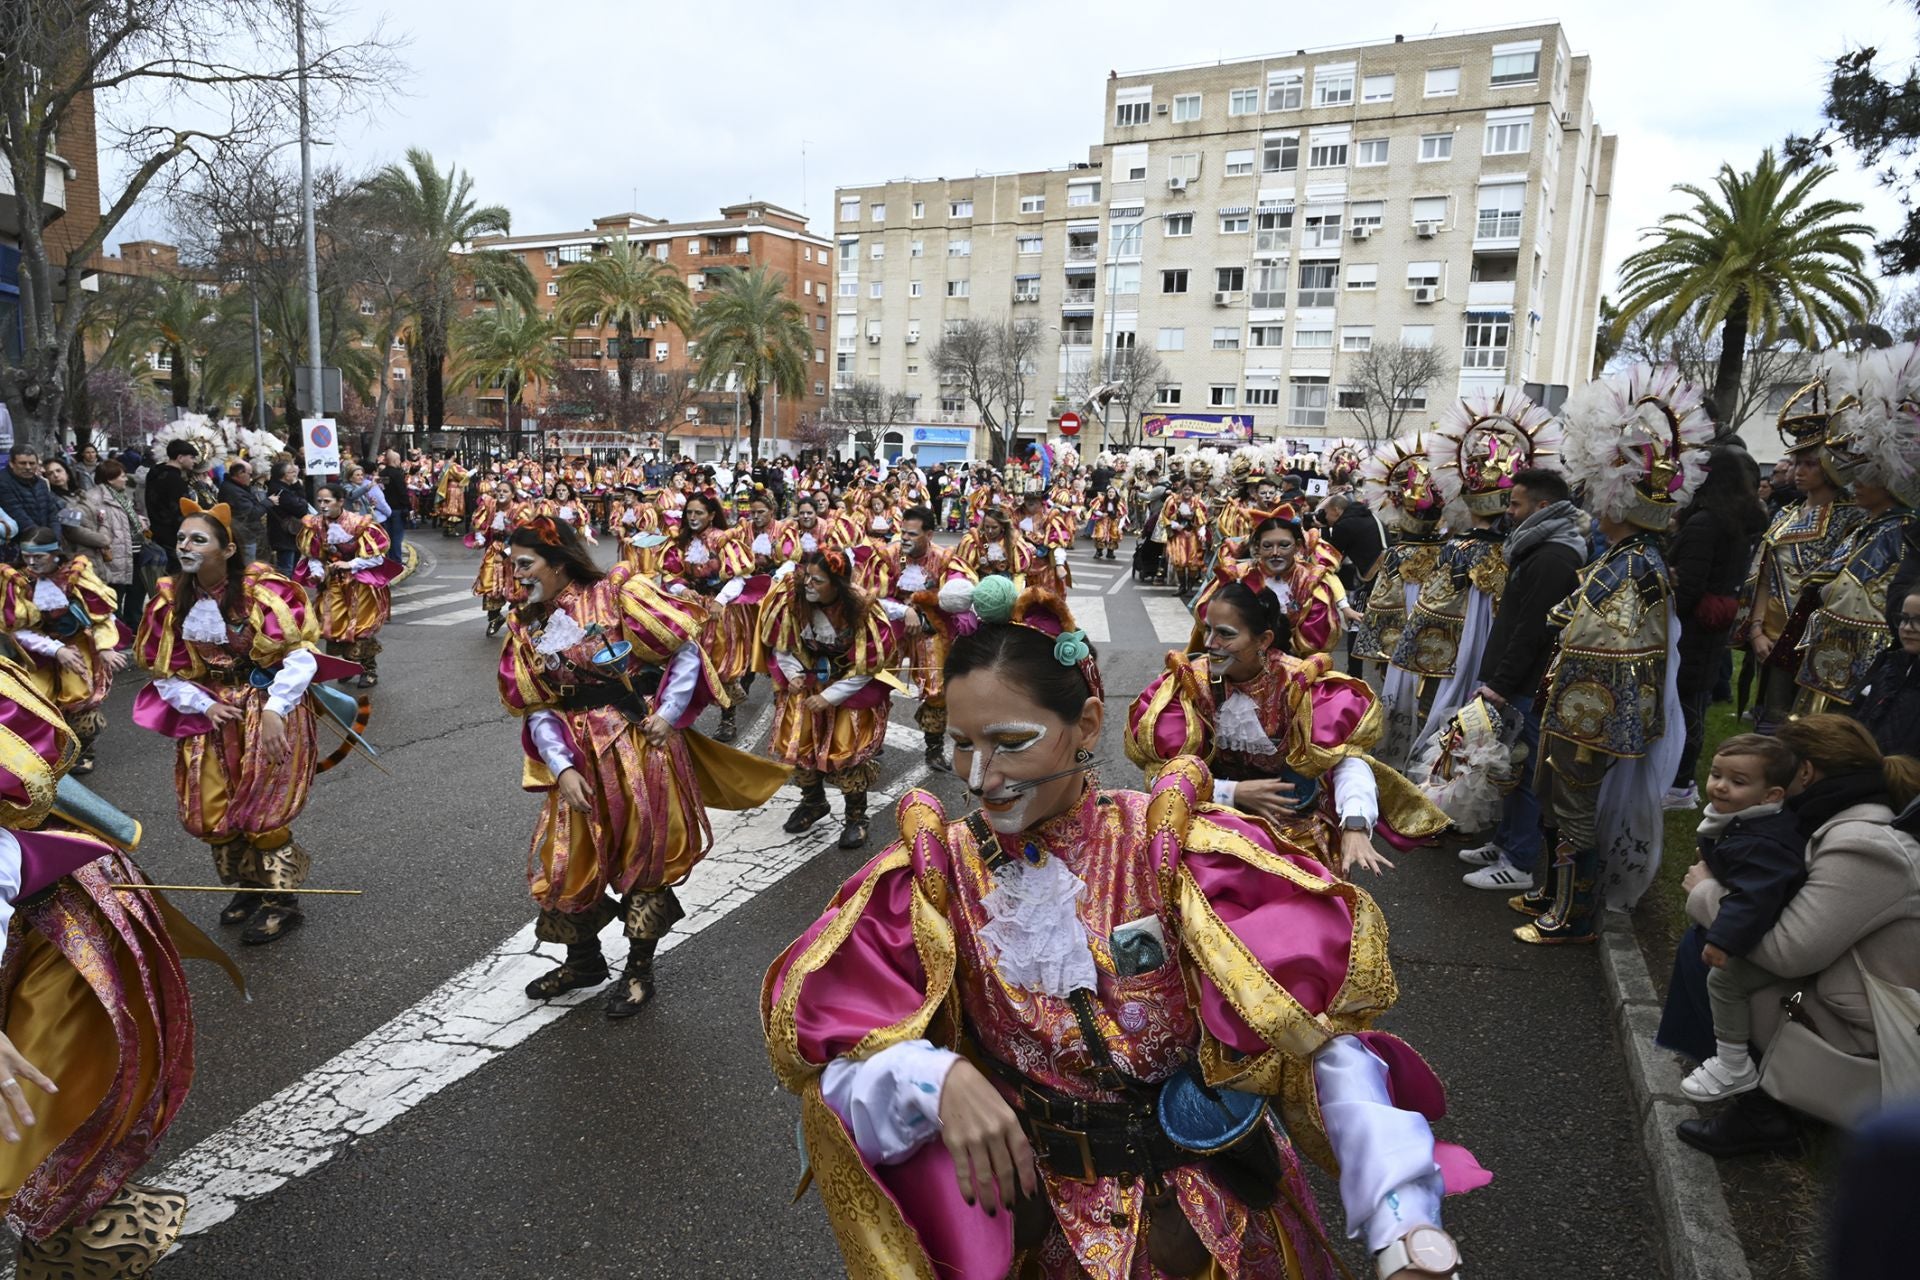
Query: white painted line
[(472, 1019), (1091, 613), (477, 616), (1114, 590), (431, 602), (1171, 621), (413, 589)]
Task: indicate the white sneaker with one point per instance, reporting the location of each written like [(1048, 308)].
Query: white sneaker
[(1687, 797), (1711, 1081), (1484, 856), (1501, 875)]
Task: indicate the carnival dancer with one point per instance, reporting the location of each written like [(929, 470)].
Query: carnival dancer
[(1184, 517), (1290, 566), (635, 523), (1109, 521), (1049, 569), (450, 494), (1235, 521), (343, 563), (709, 559), (63, 619), (567, 506), (1286, 736), (96, 1020), (493, 519), (916, 571), (1803, 537), (994, 546), (1473, 453), (1636, 442), (607, 672), (232, 650), (1873, 446), (827, 645), (1398, 483), (1011, 1012), (766, 533)]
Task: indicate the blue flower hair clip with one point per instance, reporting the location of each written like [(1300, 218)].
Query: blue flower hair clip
[(1070, 648)]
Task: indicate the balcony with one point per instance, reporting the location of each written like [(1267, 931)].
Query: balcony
[(1088, 252), (53, 202), (1077, 300), (1076, 338), (1490, 293)]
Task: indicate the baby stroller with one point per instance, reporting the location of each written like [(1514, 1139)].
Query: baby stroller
[(1149, 557)]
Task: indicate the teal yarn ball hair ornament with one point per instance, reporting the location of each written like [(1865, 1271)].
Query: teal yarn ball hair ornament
[(993, 599)]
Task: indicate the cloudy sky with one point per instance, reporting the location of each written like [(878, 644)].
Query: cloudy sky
[(565, 112)]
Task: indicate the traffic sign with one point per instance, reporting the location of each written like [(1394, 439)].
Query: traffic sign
[(1069, 424), (322, 446)]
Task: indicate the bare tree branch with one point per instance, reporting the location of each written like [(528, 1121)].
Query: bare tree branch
[(1393, 379)]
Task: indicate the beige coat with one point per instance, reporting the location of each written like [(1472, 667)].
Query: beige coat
[(1862, 892)]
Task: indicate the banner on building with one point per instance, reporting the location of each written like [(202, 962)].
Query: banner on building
[(1199, 426)]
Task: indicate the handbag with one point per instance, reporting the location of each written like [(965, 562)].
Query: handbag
[(1810, 1075)]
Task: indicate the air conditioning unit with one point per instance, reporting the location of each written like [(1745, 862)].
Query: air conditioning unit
[(874, 338), (1222, 298), (1159, 108), (1362, 232), (913, 336), (1176, 184), (1566, 120), (1426, 294), (1426, 230)]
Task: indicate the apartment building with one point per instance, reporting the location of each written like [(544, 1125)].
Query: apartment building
[(69, 208), (1263, 224), (744, 236)]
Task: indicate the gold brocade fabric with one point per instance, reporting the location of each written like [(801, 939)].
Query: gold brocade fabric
[(1800, 539), (1429, 644), (75, 692), (1408, 564)]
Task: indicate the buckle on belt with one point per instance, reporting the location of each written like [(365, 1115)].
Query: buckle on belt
[(1084, 1149)]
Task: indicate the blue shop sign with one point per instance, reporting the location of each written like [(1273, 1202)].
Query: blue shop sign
[(943, 435)]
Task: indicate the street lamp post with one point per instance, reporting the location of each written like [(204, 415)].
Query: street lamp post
[(316, 394), (737, 380)]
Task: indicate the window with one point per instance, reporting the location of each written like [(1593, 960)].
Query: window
[(806, 287), (1330, 154), (1370, 151), (959, 248), (1229, 279), (1283, 90), (1501, 208), (1130, 163), (366, 306), (875, 290), (665, 247), (957, 289), (877, 250), (806, 253), (1029, 244), (914, 289), (1243, 102), (1368, 213), (697, 281), (1431, 209), (1239, 163), (1173, 281), (1333, 86), (1443, 82), (819, 355), (1313, 336), (1280, 153), (879, 213), (1307, 402), (1236, 224), (1350, 398), (1178, 224), (553, 257), (1131, 113), (693, 247), (848, 289), (1269, 287), (919, 208), (1223, 395), (1377, 89), (820, 323), (1423, 275), (1033, 204), (1226, 337), (1509, 135), (1172, 340), (660, 352), (1515, 64), (960, 208), (1412, 398), (916, 249), (1273, 229), (1167, 393), (1318, 281), (850, 208), (1125, 237), (1266, 335), (1026, 288), (1186, 165), (1186, 107), (1435, 146), (1356, 337), (553, 288), (1082, 193), (1485, 346), (1322, 229), (849, 255), (1416, 335), (1123, 277), (1263, 396)]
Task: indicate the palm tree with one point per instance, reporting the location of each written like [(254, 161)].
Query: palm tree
[(436, 211), (629, 288), (508, 344), (748, 320), (177, 317), (1759, 255)]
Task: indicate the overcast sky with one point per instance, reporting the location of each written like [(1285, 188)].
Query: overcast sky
[(569, 111)]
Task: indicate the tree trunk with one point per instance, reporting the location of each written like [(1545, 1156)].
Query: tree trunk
[(179, 379), (380, 402), (1733, 358), (433, 346), (623, 365), (753, 422)]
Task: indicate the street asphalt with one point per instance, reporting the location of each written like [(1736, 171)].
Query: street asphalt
[(661, 1146)]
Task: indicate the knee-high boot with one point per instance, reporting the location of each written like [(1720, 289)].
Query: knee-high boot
[(1572, 915), (853, 832)]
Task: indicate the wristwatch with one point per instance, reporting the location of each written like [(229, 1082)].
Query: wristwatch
[(1427, 1251), (1355, 823)]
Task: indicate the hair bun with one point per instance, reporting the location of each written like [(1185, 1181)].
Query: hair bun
[(993, 598)]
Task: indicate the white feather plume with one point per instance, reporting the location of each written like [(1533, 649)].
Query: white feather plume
[(1613, 425), (1885, 423), (1466, 786), (1532, 431)]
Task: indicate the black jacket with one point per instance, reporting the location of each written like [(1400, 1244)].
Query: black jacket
[(287, 506), (1888, 702), (1762, 862), (1708, 557), (1520, 642), (166, 485), (1357, 537), (30, 505)]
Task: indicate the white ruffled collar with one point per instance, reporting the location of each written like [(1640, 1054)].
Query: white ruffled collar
[(204, 623), (1237, 726), (48, 596), (560, 634), (337, 533), (1034, 928)]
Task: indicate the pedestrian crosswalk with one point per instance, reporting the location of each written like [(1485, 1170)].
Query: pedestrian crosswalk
[(1172, 623), (1090, 612)]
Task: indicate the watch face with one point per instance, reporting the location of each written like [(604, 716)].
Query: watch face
[(1431, 1250)]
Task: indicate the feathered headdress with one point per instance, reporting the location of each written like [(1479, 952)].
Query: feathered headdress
[(1482, 440), (1397, 482), (1873, 435), (1344, 458), (1636, 441)]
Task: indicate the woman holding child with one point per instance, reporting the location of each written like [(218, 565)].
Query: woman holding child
[(1764, 931)]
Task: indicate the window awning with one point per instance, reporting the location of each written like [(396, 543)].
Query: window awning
[(1490, 313), (1275, 205), (1234, 210)]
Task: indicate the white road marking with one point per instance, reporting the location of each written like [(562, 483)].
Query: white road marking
[(1091, 613), (1171, 621), (431, 602), (477, 616), (412, 590), (1114, 590), (472, 1019)]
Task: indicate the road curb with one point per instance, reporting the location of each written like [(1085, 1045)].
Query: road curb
[(1698, 1236)]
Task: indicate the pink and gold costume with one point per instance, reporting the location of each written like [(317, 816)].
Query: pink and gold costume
[(352, 605), (978, 556), (1109, 520), (494, 516), (1185, 523), (71, 606), (709, 564), (1270, 971), (1310, 596), (837, 654)]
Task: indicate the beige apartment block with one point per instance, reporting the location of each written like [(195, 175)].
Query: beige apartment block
[(1262, 223)]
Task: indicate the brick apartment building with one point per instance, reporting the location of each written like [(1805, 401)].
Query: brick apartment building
[(71, 208), (753, 234)]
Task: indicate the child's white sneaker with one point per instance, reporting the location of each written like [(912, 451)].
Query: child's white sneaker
[(1712, 1081)]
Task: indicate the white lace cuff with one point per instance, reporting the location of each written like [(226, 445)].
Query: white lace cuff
[(891, 1101), (183, 696)]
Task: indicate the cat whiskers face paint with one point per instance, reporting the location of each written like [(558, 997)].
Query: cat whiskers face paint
[(1007, 810)]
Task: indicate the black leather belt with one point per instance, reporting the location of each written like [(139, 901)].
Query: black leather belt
[(1085, 1140)]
